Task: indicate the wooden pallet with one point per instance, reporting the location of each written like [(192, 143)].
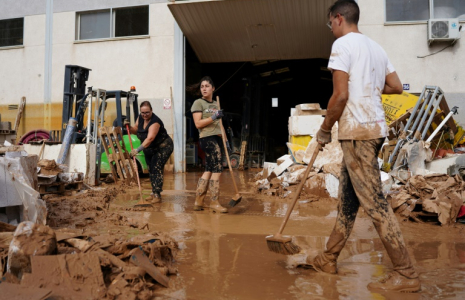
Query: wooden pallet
[(121, 165), (59, 187)]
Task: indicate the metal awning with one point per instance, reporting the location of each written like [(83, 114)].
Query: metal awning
[(251, 30)]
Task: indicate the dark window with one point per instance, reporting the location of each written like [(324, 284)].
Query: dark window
[(449, 9), (114, 22), (11, 32), (95, 25), (407, 10), (419, 10), (132, 21)]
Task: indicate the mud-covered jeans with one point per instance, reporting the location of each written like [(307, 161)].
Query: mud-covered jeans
[(360, 185), (156, 159), (213, 148)]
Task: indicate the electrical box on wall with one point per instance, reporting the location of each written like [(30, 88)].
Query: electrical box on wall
[(443, 30)]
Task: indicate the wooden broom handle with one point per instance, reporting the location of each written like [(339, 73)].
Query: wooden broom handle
[(223, 135), (299, 188)]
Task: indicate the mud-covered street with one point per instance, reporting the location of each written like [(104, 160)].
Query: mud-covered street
[(225, 256)]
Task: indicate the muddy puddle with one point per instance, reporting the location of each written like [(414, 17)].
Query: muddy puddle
[(226, 256)]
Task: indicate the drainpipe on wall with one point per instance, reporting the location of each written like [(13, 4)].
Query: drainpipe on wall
[(48, 65), (179, 132)]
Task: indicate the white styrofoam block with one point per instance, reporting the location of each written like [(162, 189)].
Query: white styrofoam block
[(283, 158), (305, 125), (332, 185), (268, 167), (283, 166)]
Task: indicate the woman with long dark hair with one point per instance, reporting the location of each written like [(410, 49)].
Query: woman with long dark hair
[(156, 144), (206, 117)]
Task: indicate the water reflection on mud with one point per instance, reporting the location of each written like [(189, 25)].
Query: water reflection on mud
[(226, 257)]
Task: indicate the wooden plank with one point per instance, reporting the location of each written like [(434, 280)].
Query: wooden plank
[(126, 165), (242, 157), (103, 133)]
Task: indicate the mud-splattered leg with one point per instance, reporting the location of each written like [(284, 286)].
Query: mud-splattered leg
[(200, 193), (157, 159), (347, 212), (215, 194), (360, 161)]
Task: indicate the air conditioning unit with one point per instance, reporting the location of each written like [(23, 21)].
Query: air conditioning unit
[(443, 30)]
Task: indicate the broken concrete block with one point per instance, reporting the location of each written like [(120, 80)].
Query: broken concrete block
[(316, 185), (332, 185), (281, 168), (305, 125), (268, 167), (448, 165), (29, 240), (282, 159), (308, 109), (332, 153)]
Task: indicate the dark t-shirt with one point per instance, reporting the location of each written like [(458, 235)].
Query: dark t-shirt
[(142, 133)]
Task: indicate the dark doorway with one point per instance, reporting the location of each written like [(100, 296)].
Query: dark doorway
[(293, 82)]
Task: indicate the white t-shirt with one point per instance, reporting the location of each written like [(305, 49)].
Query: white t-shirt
[(367, 65)]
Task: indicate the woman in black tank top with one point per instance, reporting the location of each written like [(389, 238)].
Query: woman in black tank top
[(156, 144)]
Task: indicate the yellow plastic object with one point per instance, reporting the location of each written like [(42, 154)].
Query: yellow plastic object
[(293, 148), (301, 140), (397, 105)]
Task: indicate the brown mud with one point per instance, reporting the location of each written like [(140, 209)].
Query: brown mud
[(225, 256)]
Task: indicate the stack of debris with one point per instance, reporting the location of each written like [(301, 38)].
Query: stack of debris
[(38, 262), (437, 196), (280, 178), (56, 179)]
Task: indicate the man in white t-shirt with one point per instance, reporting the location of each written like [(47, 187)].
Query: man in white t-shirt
[(361, 73)]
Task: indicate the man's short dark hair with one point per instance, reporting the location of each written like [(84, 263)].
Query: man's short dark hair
[(347, 8)]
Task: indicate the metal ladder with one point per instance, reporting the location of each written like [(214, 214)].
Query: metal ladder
[(431, 98)]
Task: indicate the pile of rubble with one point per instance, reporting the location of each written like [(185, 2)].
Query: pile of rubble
[(437, 196), (39, 262), (55, 178), (421, 181), (280, 179)]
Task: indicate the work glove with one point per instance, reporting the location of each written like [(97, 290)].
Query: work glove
[(126, 122), (323, 136), (217, 114), (133, 152)]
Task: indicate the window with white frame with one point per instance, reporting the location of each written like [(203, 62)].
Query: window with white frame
[(422, 10), (11, 32), (113, 22)]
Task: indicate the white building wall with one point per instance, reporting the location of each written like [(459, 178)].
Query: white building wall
[(116, 64), (403, 43)]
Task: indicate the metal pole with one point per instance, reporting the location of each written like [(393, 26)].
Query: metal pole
[(179, 136), (420, 113), (453, 111), (48, 64), (431, 117), (427, 109)]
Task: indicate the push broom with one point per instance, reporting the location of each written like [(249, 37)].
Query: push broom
[(237, 198), (142, 202), (283, 244)]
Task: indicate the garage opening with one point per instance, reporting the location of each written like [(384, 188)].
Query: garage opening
[(257, 98)]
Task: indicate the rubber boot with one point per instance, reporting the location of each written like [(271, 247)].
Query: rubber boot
[(200, 193), (396, 282), (154, 198), (215, 192)]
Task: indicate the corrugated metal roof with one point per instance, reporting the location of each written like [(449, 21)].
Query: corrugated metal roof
[(250, 30)]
